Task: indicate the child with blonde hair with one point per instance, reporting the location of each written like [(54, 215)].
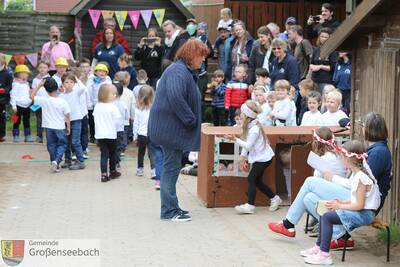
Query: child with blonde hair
[(106, 117), (141, 81), (226, 19), (130, 101), (327, 89), (284, 112), (333, 115), (20, 102), (257, 152), (140, 123)]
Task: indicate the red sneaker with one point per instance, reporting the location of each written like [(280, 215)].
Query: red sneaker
[(280, 229), (114, 174), (339, 244)]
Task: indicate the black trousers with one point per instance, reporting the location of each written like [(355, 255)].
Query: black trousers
[(2, 120), (108, 154), (25, 114), (39, 129), (254, 180), (91, 124), (143, 142), (219, 116)]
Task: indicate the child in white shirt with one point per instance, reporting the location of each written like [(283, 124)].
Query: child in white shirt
[(56, 120), (140, 123), (226, 19), (123, 121), (94, 82), (43, 69), (267, 108), (333, 115), (71, 91), (20, 102), (257, 152), (313, 116), (284, 112), (129, 98), (106, 119)]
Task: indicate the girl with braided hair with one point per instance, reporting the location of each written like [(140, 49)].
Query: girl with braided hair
[(357, 209)]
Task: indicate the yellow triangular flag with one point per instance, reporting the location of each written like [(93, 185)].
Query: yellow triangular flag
[(121, 17), (8, 58), (107, 14), (159, 14)]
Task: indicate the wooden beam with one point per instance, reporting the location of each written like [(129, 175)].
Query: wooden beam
[(349, 25)]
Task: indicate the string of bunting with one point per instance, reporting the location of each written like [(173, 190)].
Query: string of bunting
[(134, 16), (20, 58)]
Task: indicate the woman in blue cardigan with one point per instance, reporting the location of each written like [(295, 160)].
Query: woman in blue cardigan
[(175, 121)]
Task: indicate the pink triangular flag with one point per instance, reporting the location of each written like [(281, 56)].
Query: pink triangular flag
[(33, 59), (134, 15), (146, 15), (95, 16), (107, 14)]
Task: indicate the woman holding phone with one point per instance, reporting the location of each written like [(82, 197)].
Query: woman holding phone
[(55, 48), (150, 53)]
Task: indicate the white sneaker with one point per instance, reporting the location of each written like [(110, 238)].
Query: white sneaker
[(245, 209), (153, 173), (139, 172), (319, 259), (309, 252), (275, 202), (54, 167)]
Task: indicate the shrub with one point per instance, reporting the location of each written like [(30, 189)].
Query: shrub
[(20, 5)]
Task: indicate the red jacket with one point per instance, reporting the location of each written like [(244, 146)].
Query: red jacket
[(236, 93), (121, 40)]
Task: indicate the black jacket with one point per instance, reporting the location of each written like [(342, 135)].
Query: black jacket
[(313, 30), (256, 61), (150, 60), (6, 80), (170, 52)]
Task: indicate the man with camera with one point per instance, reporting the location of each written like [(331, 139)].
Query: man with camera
[(325, 20)]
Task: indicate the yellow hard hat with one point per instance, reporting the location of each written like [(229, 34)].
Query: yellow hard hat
[(61, 62), (22, 68), (102, 67)]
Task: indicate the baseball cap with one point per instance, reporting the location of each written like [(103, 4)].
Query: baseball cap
[(291, 20)]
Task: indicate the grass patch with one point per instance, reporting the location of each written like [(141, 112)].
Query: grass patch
[(394, 233)]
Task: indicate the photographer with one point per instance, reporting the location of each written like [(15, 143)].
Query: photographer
[(55, 49), (325, 20), (150, 53)]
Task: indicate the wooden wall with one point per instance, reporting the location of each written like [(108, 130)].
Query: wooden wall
[(131, 35), (209, 13), (26, 32), (258, 13)]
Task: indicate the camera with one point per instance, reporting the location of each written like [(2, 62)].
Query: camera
[(150, 40), (55, 37), (316, 18)]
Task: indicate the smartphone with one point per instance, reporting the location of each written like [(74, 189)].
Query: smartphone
[(55, 37), (151, 40)]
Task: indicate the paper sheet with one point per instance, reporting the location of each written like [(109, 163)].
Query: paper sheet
[(318, 163)]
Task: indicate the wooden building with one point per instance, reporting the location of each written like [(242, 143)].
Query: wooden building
[(174, 10), (372, 34)]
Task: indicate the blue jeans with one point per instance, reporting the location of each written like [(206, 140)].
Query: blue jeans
[(74, 141), (170, 173), (312, 190), (56, 144), (158, 159)]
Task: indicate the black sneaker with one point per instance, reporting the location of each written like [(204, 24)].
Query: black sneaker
[(184, 212), (104, 178), (180, 217), (66, 164)]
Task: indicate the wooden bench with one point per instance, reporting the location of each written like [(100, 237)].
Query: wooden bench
[(377, 224)]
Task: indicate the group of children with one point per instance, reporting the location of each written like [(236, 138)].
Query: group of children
[(76, 105)]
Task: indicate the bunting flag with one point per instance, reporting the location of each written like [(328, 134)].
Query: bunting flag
[(146, 15), (107, 14), (121, 17), (8, 58), (19, 59), (159, 14), (33, 59), (134, 15), (95, 16)]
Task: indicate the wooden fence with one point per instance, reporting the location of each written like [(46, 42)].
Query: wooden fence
[(26, 32), (258, 13)]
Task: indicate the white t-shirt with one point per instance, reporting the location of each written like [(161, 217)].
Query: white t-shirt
[(54, 110), (336, 165), (93, 89), (285, 110), (19, 95), (130, 101), (42, 91), (73, 99), (141, 122), (123, 110), (312, 119), (372, 197), (106, 116), (263, 117), (266, 59), (57, 79), (332, 119)]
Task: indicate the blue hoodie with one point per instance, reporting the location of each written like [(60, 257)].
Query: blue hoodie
[(342, 75)]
